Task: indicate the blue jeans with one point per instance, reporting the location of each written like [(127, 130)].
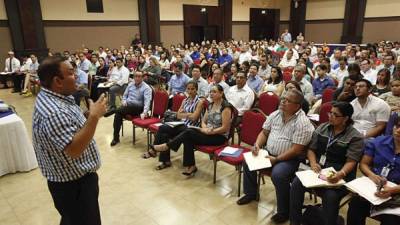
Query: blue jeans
[(281, 176), (330, 202)]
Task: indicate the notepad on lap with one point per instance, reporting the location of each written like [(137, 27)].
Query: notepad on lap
[(104, 85), (311, 179), (257, 162), (175, 123), (366, 188)]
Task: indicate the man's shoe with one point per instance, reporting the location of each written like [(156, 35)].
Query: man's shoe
[(114, 142), (246, 199), (109, 113), (279, 218)]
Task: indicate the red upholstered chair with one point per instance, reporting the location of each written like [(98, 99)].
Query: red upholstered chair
[(327, 95), (268, 102), (210, 149), (159, 106), (252, 122), (324, 111), (287, 76), (177, 101)]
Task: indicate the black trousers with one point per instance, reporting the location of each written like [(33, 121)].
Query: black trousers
[(17, 81), (163, 135), (359, 210), (79, 94), (120, 113), (77, 201), (191, 137)]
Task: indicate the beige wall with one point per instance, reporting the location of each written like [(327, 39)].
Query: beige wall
[(5, 45), (171, 34), (173, 9), (284, 6), (325, 9), (383, 30), (3, 14), (240, 31), (61, 38), (382, 8), (76, 10), (326, 31)]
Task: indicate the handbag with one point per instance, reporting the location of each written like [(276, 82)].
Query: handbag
[(169, 116)]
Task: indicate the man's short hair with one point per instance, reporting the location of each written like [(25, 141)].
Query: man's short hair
[(118, 59), (242, 72), (196, 67), (300, 68), (48, 69), (369, 84), (179, 66), (254, 64), (298, 96)]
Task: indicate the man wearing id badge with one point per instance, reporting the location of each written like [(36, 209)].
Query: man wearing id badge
[(380, 163), (286, 133)]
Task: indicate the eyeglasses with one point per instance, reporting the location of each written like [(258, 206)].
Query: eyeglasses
[(333, 114)]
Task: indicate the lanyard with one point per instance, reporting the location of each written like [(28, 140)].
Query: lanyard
[(331, 140)]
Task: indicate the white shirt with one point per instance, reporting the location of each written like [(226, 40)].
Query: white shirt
[(295, 54), (244, 56), (15, 65), (264, 73), (340, 75), (103, 54), (375, 110), (124, 73), (286, 63), (370, 75), (242, 99)]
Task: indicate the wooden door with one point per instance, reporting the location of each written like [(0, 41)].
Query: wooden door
[(264, 23)]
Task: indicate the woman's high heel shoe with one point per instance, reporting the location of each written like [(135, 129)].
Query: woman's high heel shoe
[(189, 174)]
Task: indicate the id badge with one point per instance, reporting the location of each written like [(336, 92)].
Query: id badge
[(322, 160), (385, 171)]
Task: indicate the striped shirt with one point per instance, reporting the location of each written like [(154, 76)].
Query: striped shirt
[(56, 120), (189, 106), (298, 130)]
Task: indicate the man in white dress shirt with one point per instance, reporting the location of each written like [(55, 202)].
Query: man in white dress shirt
[(12, 66), (241, 96), (120, 82), (368, 73)]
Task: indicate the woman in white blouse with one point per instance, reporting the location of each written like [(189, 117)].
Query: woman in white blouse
[(274, 83)]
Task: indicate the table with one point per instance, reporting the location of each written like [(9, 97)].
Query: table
[(16, 150)]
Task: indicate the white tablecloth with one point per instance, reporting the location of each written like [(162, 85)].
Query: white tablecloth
[(16, 150)]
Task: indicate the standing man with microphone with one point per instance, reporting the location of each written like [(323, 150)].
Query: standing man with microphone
[(63, 141)]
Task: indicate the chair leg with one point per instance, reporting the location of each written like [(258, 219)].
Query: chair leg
[(239, 169), (258, 186), (215, 169), (133, 134), (122, 128), (263, 180)]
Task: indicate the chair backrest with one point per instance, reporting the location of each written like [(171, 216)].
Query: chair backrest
[(327, 95), (324, 111), (268, 102), (252, 123), (287, 76), (177, 101), (160, 103)]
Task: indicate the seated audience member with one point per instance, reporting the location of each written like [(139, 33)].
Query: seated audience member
[(382, 82), (334, 144), (202, 85), (290, 85), (230, 74), (177, 83), (285, 134), (215, 127), (84, 63), (217, 79), (274, 83), (101, 76), (368, 72), (142, 65), (393, 97), (341, 72), (190, 113), (306, 86), (370, 113), (118, 76), (154, 69), (264, 71), (93, 65), (346, 92), (245, 55), (321, 82), (81, 82), (31, 75), (240, 95), (388, 63), (225, 59), (380, 163), (164, 61), (288, 62), (12, 65), (253, 80), (135, 101)]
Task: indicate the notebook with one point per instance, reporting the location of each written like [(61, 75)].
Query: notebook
[(257, 162), (175, 123), (311, 179), (231, 152), (366, 188), (104, 85)]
